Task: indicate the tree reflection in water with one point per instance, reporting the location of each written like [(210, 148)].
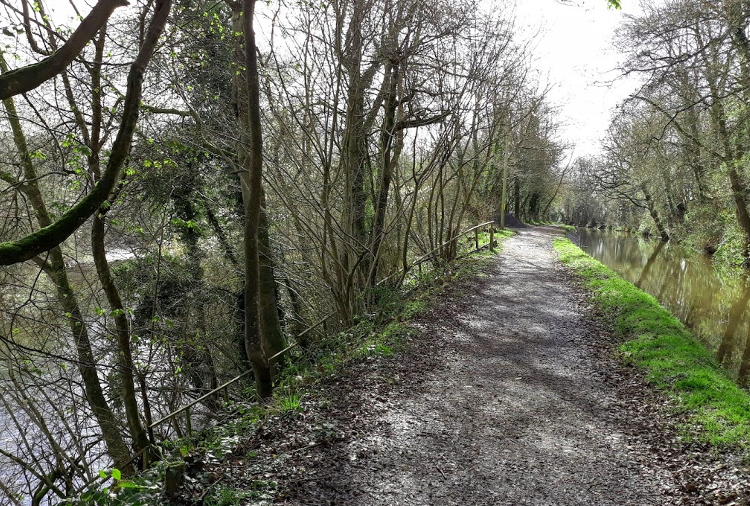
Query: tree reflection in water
[(712, 304)]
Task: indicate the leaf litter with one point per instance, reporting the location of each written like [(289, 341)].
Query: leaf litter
[(509, 394)]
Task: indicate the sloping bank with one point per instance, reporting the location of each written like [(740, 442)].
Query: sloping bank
[(255, 447), (717, 410)]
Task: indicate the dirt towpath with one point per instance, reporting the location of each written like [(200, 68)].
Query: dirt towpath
[(503, 401)]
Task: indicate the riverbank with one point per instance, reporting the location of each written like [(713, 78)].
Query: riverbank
[(717, 410), (711, 301), (505, 393), (498, 389), (216, 468)]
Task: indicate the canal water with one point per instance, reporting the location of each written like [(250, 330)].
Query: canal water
[(712, 304)]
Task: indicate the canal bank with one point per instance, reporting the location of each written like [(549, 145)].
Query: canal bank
[(710, 300), (717, 410), (508, 394)]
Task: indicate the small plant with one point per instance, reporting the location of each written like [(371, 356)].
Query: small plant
[(375, 350), (228, 496), (290, 404)]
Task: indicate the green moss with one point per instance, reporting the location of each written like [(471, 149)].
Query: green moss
[(569, 228), (718, 410)]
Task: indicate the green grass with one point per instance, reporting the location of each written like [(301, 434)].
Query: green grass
[(717, 409), (290, 404), (568, 228), (501, 234), (222, 495)]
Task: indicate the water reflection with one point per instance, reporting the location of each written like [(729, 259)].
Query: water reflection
[(714, 306), (650, 263)]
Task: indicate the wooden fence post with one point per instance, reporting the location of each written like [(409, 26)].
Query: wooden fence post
[(492, 238)]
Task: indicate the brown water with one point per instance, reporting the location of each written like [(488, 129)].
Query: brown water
[(713, 305)]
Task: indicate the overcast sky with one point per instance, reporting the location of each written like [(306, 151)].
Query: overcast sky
[(576, 56)]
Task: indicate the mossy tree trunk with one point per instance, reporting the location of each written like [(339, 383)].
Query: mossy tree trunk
[(654, 212), (53, 234), (54, 267), (251, 155), (125, 364)]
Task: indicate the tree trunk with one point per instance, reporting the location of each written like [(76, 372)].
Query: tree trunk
[(125, 364), (273, 336), (297, 327), (391, 144), (655, 214), (252, 180), (355, 154)]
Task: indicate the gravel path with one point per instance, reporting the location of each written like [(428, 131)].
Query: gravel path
[(519, 416), (506, 398)]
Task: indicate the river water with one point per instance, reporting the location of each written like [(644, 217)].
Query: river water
[(712, 304), (57, 400)]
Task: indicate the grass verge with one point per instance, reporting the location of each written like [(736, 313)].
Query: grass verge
[(567, 228), (717, 409)]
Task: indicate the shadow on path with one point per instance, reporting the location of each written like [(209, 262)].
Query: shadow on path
[(517, 410)]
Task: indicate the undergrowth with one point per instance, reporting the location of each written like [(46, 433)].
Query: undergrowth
[(374, 336), (717, 409)]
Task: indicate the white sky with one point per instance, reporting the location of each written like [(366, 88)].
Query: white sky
[(576, 56)]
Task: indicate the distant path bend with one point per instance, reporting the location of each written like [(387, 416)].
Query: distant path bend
[(517, 413)]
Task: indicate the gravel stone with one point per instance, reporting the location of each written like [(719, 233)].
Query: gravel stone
[(510, 395)]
